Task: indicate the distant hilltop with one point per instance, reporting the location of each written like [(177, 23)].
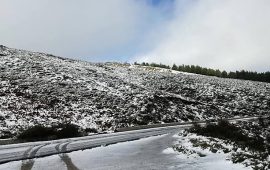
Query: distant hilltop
[(243, 74)]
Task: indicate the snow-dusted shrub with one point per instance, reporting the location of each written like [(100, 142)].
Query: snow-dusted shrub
[(227, 131), (40, 132), (68, 131)]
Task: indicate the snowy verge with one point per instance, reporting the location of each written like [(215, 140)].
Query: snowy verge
[(192, 146)]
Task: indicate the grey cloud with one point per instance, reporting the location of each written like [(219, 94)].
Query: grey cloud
[(226, 34), (73, 28)]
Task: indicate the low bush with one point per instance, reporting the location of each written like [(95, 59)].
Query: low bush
[(68, 131), (91, 130), (227, 131), (39, 132), (5, 135)]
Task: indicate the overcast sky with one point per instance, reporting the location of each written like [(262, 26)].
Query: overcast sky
[(224, 34)]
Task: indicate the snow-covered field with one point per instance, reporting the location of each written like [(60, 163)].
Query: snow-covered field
[(38, 88)]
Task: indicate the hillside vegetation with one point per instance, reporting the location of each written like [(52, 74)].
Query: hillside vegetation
[(42, 89)]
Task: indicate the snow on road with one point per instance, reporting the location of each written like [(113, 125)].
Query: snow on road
[(147, 153)]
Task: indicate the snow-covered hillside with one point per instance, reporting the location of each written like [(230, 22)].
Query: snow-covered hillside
[(38, 88)]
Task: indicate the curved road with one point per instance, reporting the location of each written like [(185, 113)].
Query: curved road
[(31, 150)]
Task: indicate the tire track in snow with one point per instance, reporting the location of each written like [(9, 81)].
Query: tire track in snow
[(34, 151), (62, 147)]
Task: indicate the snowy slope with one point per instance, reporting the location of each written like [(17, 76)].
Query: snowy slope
[(38, 88)]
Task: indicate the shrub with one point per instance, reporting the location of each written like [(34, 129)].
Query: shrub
[(5, 134), (261, 122), (227, 131), (91, 130), (268, 138), (195, 128), (40, 132), (223, 130), (68, 131)]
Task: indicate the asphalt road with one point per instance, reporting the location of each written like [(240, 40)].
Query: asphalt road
[(45, 148)]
